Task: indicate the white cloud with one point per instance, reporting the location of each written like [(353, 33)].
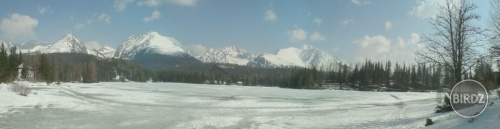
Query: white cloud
[(93, 45), (154, 15), (405, 50), (79, 26), (388, 25), (297, 35), (316, 36), (150, 3), (426, 8), (318, 21), (121, 5), (346, 22), (373, 45), (197, 49), (18, 27), (183, 2), (380, 48), (156, 3), (101, 18), (360, 2), (89, 21), (270, 16), (104, 18), (43, 10)]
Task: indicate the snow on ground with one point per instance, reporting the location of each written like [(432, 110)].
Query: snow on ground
[(178, 105), (487, 120)]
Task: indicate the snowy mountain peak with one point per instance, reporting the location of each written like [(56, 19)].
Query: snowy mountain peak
[(70, 38), (232, 47), (151, 42), (70, 35), (153, 33), (68, 44)]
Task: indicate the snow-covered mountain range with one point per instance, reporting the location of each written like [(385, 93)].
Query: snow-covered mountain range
[(33, 46), (152, 43), (230, 55), (306, 56), (68, 44)]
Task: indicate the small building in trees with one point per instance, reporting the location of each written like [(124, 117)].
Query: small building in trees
[(26, 72), (219, 75)]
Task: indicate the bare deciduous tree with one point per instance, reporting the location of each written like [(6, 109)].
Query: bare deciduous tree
[(495, 27), (456, 39)]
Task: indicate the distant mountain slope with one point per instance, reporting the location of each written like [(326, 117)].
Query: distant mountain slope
[(68, 44), (231, 55), (306, 56), (104, 52), (151, 42), (155, 52), (33, 46), (6, 45)]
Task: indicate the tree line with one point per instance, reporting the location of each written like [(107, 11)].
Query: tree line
[(9, 62)]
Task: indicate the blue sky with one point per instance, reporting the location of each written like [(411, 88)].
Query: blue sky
[(349, 29)]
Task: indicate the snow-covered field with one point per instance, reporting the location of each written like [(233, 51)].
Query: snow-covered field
[(177, 105)]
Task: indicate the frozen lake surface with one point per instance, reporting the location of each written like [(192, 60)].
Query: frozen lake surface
[(177, 105)]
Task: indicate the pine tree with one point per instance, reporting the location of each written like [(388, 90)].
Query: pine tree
[(13, 64), (484, 74), (388, 74), (90, 73), (4, 65), (45, 70), (413, 78)]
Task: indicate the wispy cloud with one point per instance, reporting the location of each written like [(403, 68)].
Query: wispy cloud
[(360, 2), (121, 5), (197, 49), (93, 45), (103, 17), (42, 10), (156, 3), (183, 2), (297, 35), (425, 8), (270, 16), (317, 21), (388, 25), (346, 22), (316, 36), (155, 15), (79, 26)]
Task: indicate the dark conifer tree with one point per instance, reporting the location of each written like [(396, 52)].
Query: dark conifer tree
[(4, 65)]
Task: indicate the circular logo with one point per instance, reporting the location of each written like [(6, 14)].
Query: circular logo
[(469, 98)]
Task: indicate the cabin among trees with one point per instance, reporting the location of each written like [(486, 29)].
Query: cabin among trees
[(218, 75), (26, 72)]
